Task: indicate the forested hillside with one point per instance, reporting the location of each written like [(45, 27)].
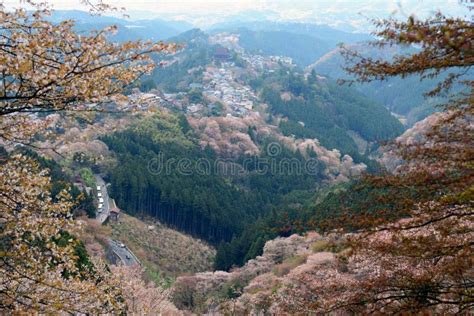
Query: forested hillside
[(131, 166), (241, 211), (304, 49), (319, 108), (204, 206), (207, 203), (323, 211), (318, 31), (303, 42), (404, 96)]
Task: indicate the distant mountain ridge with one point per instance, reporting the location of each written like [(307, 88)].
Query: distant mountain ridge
[(321, 31), (304, 42), (300, 47), (153, 29), (401, 96)]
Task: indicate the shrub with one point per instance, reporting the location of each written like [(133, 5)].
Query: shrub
[(287, 265), (88, 177), (320, 245)]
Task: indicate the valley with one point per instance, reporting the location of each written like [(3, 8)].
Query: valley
[(243, 114), (254, 162)]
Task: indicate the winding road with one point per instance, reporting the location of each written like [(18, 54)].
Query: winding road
[(118, 248), (123, 253)]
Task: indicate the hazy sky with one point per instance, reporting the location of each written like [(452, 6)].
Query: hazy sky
[(322, 11)]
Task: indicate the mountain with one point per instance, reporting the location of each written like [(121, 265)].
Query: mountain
[(153, 29), (403, 96), (328, 110), (155, 246), (319, 31), (262, 285), (316, 107), (303, 49), (312, 106), (193, 35), (306, 116), (303, 42), (186, 66)]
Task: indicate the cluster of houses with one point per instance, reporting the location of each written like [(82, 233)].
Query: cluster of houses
[(219, 88), (267, 64), (180, 101), (229, 41), (220, 84)]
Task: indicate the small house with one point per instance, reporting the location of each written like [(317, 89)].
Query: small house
[(114, 211)]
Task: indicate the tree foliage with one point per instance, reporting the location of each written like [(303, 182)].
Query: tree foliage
[(39, 268), (47, 67), (321, 109), (142, 298), (446, 43), (44, 68), (164, 173), (419, 258)]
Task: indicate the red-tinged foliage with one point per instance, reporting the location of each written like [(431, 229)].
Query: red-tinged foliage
[(46, 67), (416, 253), (445, 43)]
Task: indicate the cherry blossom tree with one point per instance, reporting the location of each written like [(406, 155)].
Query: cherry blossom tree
[(418, 255), (39, 267), (142, 298), (45, 68)]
